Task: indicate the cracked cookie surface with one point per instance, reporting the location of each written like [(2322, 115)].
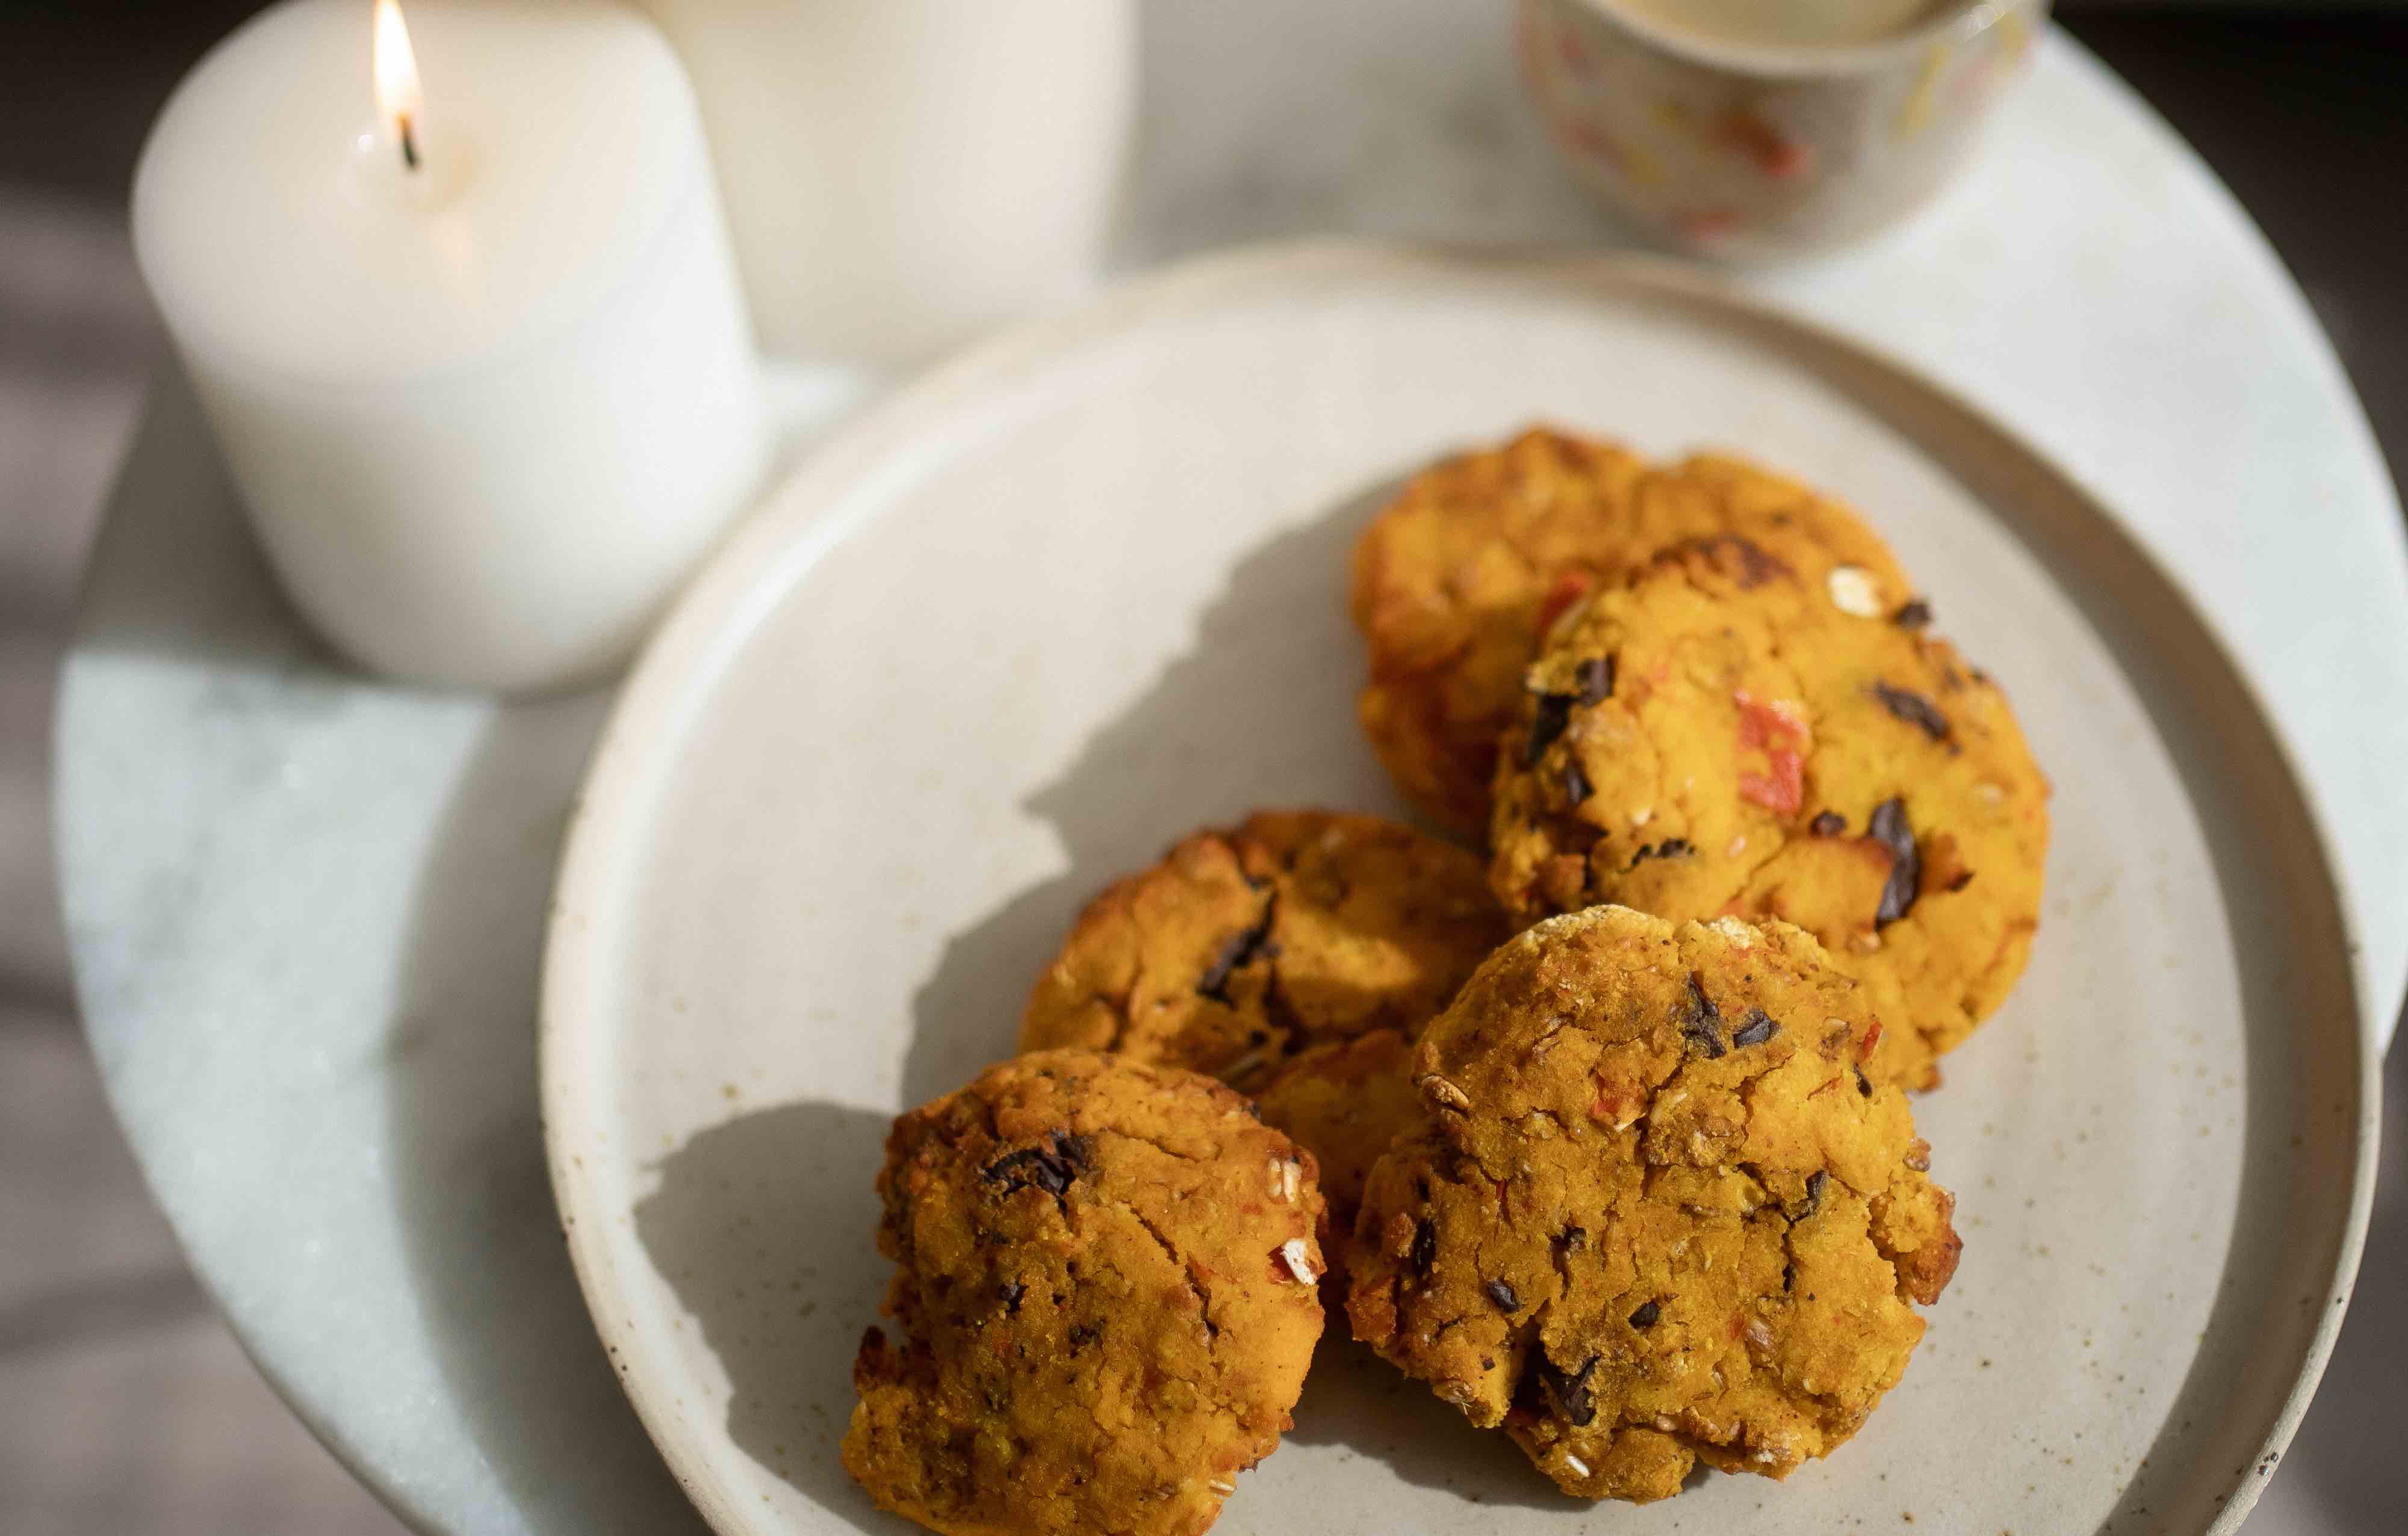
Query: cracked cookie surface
[(1107, 1292), (1244, 952), (1654, 1212), (1454, 584), (1730, 734)]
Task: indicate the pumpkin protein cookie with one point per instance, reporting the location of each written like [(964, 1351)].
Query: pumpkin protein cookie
[(1270, 956), (1456, 583), (1654, 1214), (1726, 734), (1107, 1288)]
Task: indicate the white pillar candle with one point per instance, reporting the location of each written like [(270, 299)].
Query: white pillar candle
[(901, 173), (479, 361)]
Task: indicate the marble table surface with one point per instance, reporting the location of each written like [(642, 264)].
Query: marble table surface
[(307, 910)]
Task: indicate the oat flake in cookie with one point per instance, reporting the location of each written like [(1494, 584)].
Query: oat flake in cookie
[(1775, 745), (1106, 1295), (1273, 951), (1457, 581), (1655, 1213)]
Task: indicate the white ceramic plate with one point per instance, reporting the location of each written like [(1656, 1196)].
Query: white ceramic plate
[(1082, 592)]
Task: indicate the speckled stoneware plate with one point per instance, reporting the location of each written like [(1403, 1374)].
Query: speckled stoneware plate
[(1081, 591)]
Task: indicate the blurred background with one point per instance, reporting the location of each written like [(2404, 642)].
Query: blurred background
[(126, 1408)]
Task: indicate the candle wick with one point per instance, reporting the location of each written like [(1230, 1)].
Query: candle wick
[(408, 143)]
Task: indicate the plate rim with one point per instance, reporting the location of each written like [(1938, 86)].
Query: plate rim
[(789, 531)]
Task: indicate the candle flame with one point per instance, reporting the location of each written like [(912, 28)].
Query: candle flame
[(398, 102)]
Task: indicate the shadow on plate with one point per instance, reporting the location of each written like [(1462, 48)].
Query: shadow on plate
[(762, 1225), (1164, 767), (1355, 1399)]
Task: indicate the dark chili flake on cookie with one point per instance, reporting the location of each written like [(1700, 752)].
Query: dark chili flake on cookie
[(1829, 824), (1595, 677), (1914, 710), (1051, 1169), (1890, 829), (1745, 560), (1814, 1184), (1423, 1256), (1646, 1314), (1702, 1022), (1508, 1302), (1864, 1084), (1913, 614), (1669, 848), (1754, 1029), (1573, 1238), (1576, 784), (1238, 952), (1010, 1293), (1547, 722), (1569, 1388)]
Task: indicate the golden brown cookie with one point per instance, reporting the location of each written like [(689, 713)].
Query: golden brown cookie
[(1654, 1214), (1728, 733), (1454, 584), (1107, 1288), (1244, 950)]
